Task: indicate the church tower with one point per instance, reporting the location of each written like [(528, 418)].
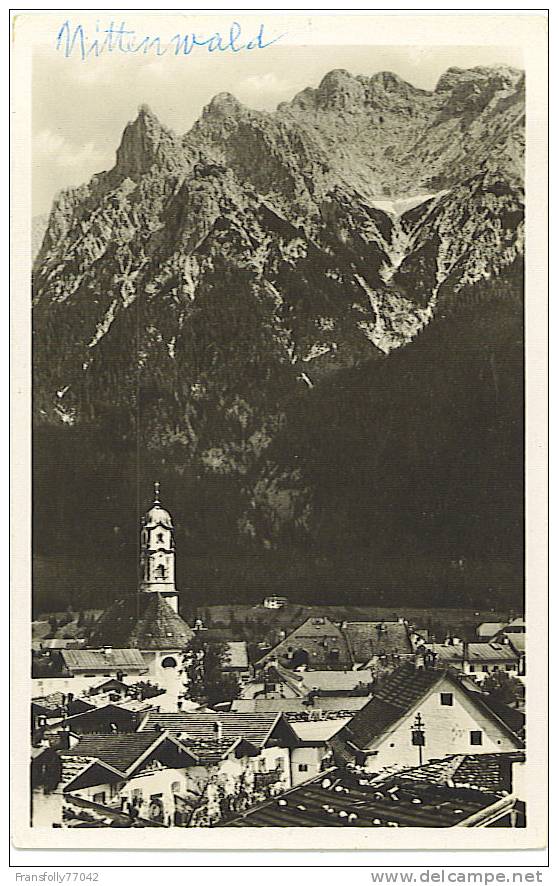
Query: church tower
[(157, 553)]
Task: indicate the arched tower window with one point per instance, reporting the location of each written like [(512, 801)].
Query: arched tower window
[(160, 571)]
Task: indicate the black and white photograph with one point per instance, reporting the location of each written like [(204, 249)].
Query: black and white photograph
[(278, 418)]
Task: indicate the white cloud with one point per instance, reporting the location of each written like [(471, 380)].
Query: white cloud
[(55, 148)]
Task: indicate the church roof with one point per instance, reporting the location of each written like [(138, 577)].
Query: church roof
[(157, 516), (145, 621)]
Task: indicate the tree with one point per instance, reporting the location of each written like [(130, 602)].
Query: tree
[(504, 687), (206, 681)]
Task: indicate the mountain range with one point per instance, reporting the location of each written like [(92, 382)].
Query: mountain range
[(308, 325)]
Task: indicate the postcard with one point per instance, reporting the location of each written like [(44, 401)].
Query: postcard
[(279, 347)]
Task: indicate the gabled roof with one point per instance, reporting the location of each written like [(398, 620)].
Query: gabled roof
[(128, 706), (101, 660), (143, 621), (318, 732), (319, 637), (367, 639), (339, 798), (123, 751), (255, 728)]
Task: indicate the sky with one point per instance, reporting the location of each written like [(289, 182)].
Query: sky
[(80, 108)]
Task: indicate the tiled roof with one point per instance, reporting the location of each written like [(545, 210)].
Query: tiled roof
[(339, 799), (367, 639), (143, 621), (331, 704), (253, 727), (487, 772), (321, 640), (52, 702), (99, 660), (120, 750)]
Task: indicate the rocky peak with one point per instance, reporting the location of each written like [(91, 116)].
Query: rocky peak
[(142, 141), (500, 76), (223, 104)]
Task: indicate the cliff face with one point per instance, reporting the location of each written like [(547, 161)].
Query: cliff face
[(192, 300)]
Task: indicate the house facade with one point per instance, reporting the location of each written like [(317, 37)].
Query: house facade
[(422, 714)]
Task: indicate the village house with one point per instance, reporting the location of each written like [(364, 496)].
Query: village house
[(312, 753), (321, 644), (124, 715), (479, 659), (317, 643), (274, 681), (138, 771), (418, 713)]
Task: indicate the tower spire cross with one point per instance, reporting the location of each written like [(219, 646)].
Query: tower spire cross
[(156, 488)]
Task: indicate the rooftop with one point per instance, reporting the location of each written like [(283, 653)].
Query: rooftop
[(119, 750), (142, 621), (493, 651), (102, 660), (341, 798), (253, 727), (367, 639)]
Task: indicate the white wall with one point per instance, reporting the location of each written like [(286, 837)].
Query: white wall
[(311, 757), (447, 731)]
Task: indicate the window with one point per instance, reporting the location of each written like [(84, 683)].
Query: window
[(160, 537), (99, 798), (160, 571), (446, 698), (175, 787), (510, 667), (472, 668), (303, 767), (168, 662), (485, 669), (476, 737)]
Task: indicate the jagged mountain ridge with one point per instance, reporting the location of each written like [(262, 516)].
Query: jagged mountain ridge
[(207, 281)]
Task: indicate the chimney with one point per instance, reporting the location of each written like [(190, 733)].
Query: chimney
[(465, 655), (107, 650), (420, 659), (218, 730)]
